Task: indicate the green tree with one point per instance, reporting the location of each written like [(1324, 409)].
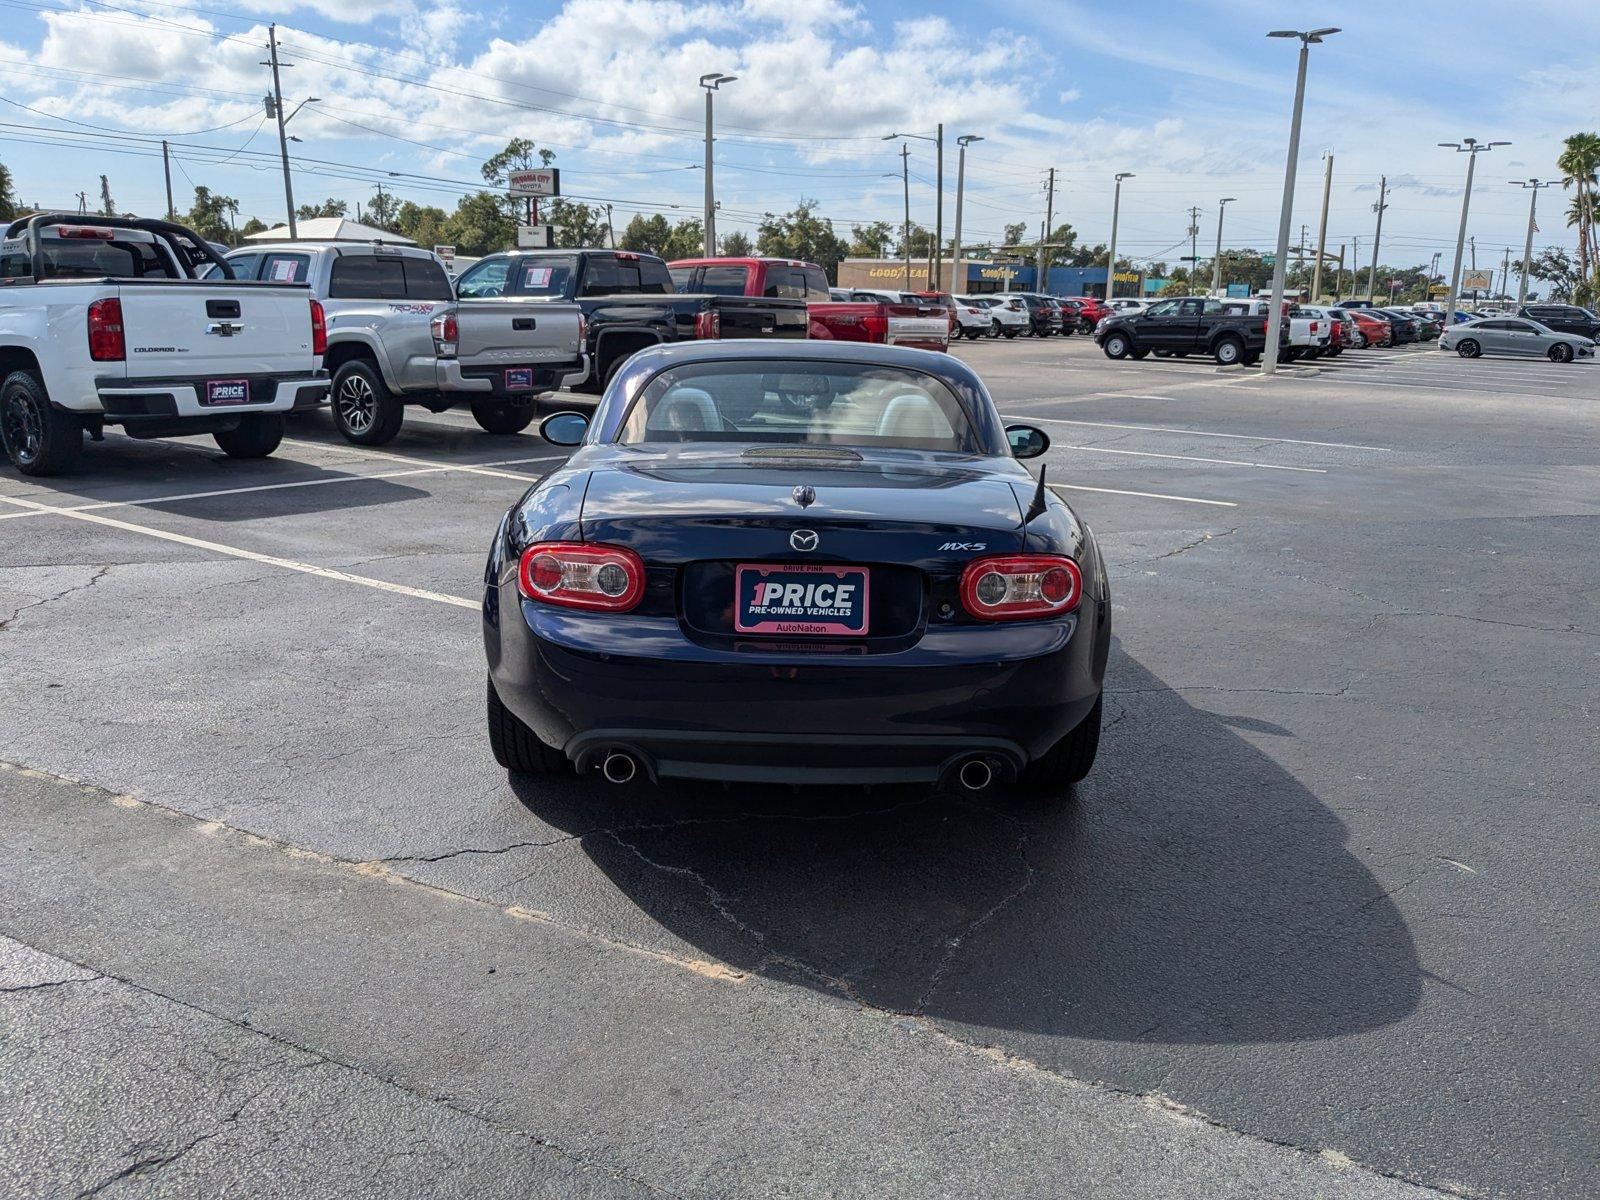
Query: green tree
[(647, 235), (8, 197), (871, 241), (1554, 266), (918, 243), (253, 225), (424, 224), (1015, 233), (804, 235), (1063, 251), (480, 225), (383, 209), (208, 215), (328, 208), (1579, 162), (737, 245), (578, 226)]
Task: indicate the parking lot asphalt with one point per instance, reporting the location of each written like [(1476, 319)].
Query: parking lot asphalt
[(1322, 921)]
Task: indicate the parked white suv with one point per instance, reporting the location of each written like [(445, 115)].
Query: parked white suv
[(1007, 316), (397, 335), (103, 322)]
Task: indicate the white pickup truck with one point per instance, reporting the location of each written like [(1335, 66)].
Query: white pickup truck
[(1306, 334), (103, 322), (398, 335)]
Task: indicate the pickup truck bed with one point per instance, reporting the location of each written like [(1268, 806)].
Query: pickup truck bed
[(628, 303)]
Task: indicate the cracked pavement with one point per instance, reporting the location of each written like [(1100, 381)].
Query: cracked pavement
[(1321, 923)]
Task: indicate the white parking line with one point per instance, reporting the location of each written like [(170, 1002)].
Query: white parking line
[(288, 564), (146, 501), (1073, 487), (469, 468), (1245, 437), (1221, 462)]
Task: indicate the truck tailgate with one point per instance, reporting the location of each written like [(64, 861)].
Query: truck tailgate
[(761, 317), (515, 331), (917, 323), (176, 328)]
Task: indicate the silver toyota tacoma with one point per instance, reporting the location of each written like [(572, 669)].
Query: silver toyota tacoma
[(397, 335)]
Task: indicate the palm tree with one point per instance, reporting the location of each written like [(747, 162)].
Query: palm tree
[(1579, 164)]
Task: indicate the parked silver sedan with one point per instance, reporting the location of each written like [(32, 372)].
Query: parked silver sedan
[(1516, 336)]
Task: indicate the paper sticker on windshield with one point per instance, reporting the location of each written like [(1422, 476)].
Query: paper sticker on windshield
[(536, 277), (283, 270)]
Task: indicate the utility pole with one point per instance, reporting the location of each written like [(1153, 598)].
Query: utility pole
[(1269, 362), (1041, 282), (1533, 186), (711, 82), (1338, 275), (905, 230), (166, 167), (1471, 147), (283, 137), (106, 206), (1505, 273), (1322, 230), (611, 229), (958, 279), (1194, 243), (1216, 261), (1355, 257), (1111, 253), (1377, 236), (83, 202), (937, 284), (1473, 243)]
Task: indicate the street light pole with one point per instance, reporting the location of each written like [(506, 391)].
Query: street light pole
[(1322, 231), (711, 82), (1471, 147), (956, 275), (1111, 254), (1269, 362), (283, 137), (938, 204), (1533, 186), (905, 230), (1216, 261)]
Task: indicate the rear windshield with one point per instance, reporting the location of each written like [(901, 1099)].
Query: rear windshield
[(805, 403), (616, 275), (795, 283), (89, 258), (724, 281)]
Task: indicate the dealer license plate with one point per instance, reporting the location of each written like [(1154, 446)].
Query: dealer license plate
[(227, 391), (804, 601), (519, 379)]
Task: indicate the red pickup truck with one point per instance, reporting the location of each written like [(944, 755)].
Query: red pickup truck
[(886, 320)]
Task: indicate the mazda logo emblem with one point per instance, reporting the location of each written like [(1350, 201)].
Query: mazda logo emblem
[(803, 540)]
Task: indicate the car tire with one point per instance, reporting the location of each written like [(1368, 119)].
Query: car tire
[(1117, 345), (516, 747), (1136, 355), (502, 417), (1228, 351), (1251, 358), (256, 436), (1070, 759), (1289, 354), (39, 438), (1467, 348), (1560, 353), (365, 411), (994, 329)]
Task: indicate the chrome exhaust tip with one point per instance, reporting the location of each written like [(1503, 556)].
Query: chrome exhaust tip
[(975, 774), (619, 767)]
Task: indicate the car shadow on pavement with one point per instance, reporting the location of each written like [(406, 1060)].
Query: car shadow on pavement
[(1195, 892)]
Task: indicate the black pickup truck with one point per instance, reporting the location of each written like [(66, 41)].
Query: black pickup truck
[(1185, 325), (628, 303)]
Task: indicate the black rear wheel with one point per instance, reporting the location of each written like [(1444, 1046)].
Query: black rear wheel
[(1068, 760), (39, 438), (364, 410), (516, 747), (1561, 352), (1467, 348), (500, 416), (256, 436)]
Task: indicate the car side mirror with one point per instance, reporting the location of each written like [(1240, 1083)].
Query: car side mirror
[(564, 428), (1026, 441)]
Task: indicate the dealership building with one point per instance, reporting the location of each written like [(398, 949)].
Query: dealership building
[(983, 276)]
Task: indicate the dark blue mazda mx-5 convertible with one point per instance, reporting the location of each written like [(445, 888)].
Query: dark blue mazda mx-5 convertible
[(802, 563)]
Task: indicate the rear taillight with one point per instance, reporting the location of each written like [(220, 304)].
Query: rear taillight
[(1022, 585), (319, 329), (708, 325), (582, 575), (106, 342), (583, 331), (446, 335)]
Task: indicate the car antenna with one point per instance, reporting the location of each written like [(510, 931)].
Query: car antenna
[(1038, 506)]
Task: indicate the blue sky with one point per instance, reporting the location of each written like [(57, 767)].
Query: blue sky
[(1189, 96)]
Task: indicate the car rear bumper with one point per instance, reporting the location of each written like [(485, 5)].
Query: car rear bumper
[(494, 379), (593, 684), (130, 401)]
